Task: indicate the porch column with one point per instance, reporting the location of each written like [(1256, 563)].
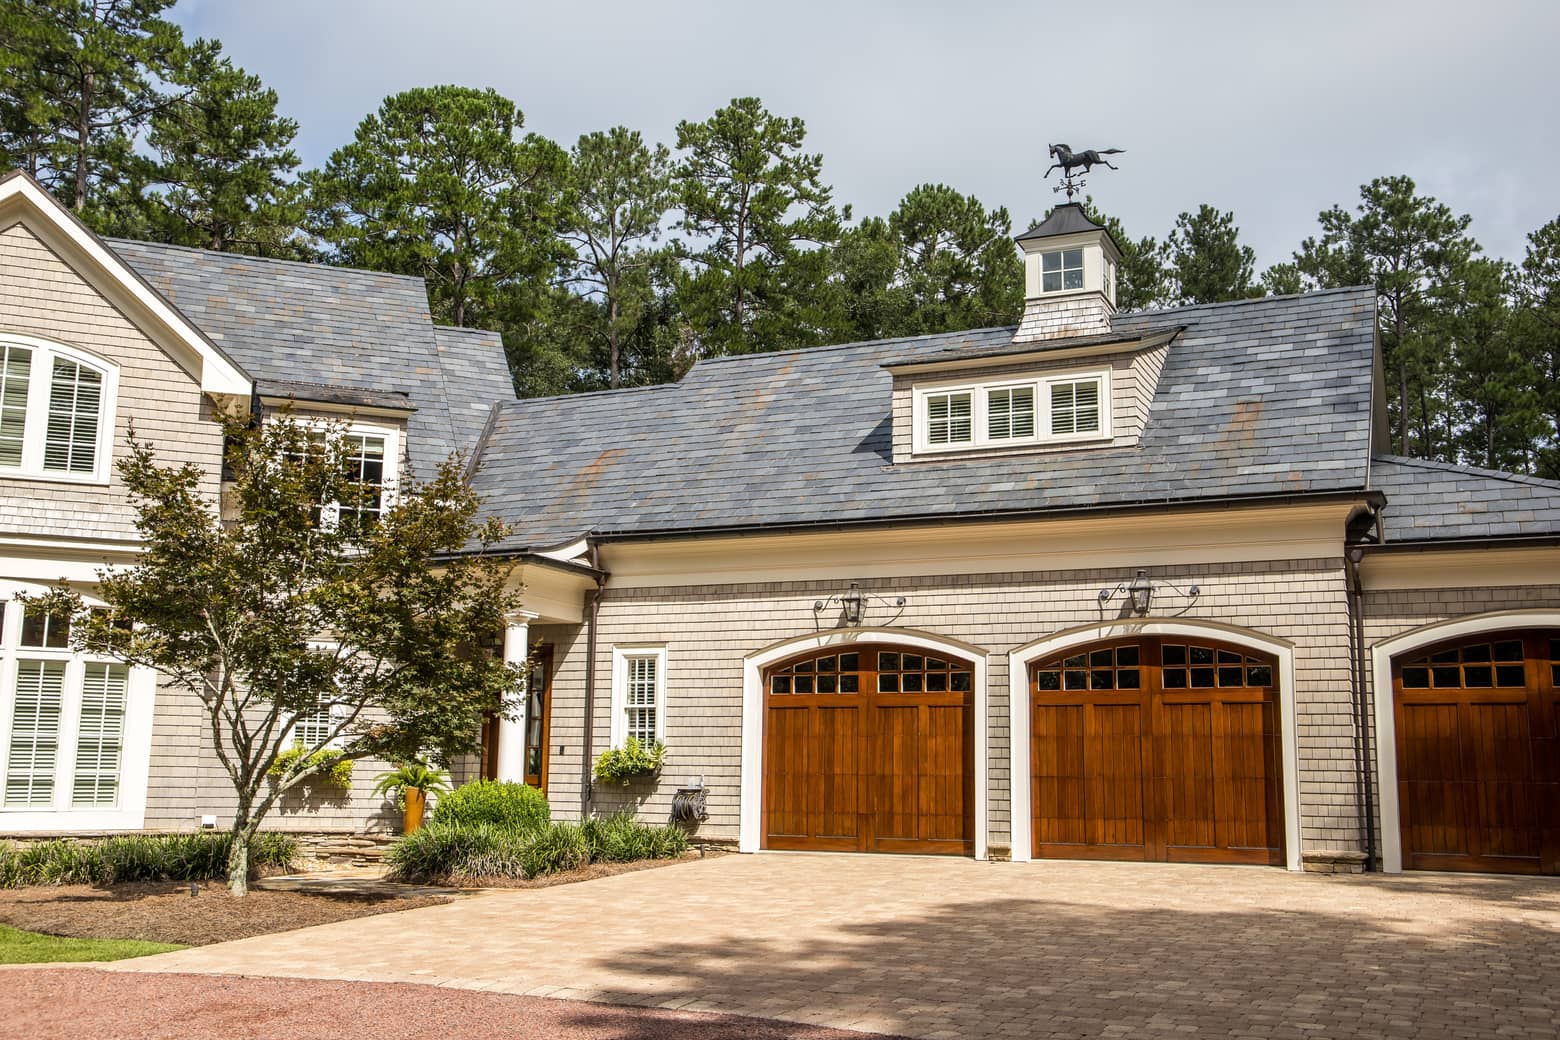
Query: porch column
[(511, 731)]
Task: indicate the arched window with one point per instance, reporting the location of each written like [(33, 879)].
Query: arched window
[(56, 411)]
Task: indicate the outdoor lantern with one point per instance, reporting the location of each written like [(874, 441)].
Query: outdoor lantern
[(854, 603), (1142, 592)]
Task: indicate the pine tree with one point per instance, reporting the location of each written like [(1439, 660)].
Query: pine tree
[(1206, 260)]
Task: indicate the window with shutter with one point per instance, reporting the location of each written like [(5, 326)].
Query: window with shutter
[(100, 737), (638, 694), (15, 375), (314, 728), (641, 699), (1075, 407), (35, 734), (1013, 412), (56, 410)]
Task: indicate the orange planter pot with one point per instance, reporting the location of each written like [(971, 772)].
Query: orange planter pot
[(416, 802)]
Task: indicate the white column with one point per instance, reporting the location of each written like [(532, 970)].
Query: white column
[(511, 730)]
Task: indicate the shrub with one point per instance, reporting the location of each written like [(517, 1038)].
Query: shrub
[(137, 857), (494, 802), (555, 849), (619, 765), (335, 770)]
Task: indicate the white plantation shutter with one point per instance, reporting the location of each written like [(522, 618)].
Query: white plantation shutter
[(15, 374), (75, 403), (1075, 407), (640, 702), (103, 690), (35, 734)]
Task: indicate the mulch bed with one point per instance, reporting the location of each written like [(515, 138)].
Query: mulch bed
[(84, 1002), (166, 912)]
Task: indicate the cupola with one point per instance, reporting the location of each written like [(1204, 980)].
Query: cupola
[(1070, 265)]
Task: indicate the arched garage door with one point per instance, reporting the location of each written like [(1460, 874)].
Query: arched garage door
[(1157, 749), (1478, 753), (870, 749)]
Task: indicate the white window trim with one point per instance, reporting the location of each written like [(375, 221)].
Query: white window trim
[(981, 440), (135, 742), (620, 659), (329, 511), (1082, 269), (40, 380)]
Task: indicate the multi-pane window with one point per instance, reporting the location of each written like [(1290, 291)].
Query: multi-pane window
[(64, 716), (1482, 665), (1075, 407), (53, 410), (1061, 270), (365, 462), (638, 694), (1010, 413), (313, 729), (949, 418), (1013, 412)]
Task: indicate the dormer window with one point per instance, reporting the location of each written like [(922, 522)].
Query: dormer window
[(56, 411), (1032, 411), (1061, 270)]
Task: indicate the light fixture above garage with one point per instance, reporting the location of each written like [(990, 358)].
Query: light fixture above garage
[(853, 603), (1140, 592)]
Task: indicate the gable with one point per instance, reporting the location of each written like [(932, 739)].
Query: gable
[(25, 205)]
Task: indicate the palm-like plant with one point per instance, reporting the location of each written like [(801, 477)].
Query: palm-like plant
[(412, 774)]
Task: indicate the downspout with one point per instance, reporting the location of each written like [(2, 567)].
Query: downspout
[(1364, 760), (593, 607)]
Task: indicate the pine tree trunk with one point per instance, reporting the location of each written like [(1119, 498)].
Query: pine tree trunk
[(612, 341)]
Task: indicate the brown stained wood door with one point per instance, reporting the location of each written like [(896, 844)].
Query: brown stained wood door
[(870, 749), (1478, 754), (1156, 749)]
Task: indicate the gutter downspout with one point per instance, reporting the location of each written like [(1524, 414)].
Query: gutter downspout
[(587, 789), (1364, 759)]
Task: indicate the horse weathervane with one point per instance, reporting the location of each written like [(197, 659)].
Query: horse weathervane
[(1075, 164)]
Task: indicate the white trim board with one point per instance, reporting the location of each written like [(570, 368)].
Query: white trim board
[(1381, 654), (750, 833), (1018, 713)]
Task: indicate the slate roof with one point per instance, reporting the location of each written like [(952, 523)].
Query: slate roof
[(1433, 501), (1067, 219), (293, 323), (1034, 346), (1260, 397)]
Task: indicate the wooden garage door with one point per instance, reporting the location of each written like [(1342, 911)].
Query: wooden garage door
[(1149, 749), (1478, 754), (870, 749)]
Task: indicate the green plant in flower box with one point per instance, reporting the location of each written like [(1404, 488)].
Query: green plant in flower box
[(620, 765)]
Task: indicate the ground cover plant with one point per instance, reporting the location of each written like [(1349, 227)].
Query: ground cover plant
[(19, 947), (496, 833), (137, 857)]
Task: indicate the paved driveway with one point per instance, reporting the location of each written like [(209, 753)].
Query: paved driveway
[(954, 948)]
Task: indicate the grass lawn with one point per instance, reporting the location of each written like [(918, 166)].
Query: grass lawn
[(19, 947)]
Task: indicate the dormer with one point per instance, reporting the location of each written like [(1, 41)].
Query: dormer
[(1070, 266)]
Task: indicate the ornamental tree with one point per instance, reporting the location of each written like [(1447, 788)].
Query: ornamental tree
[(301, 598)]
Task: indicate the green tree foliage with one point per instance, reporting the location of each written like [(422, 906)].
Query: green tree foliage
[(620, 191), (1537, 328), (1142, 281), (230, 611), (1405, 244), (224, 169), (440, 183), (939, 263), (1284, 279), (758, 210), (82, 78), (1206, 261), (1491, 413)]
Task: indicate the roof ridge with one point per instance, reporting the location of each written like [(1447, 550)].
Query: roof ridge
[(463, 328), (1463, 468), (852, 343), (310, 264), (1252, 300), (591, 393)]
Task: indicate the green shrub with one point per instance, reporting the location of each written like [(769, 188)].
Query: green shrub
[(555, 849), (494, 802), (445, 852), (137, 857), (620, 765), (334, 769)]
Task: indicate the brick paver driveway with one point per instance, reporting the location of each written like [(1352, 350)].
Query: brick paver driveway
[(954, 948)]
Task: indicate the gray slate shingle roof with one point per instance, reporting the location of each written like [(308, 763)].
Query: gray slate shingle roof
[(294, 323), (1429, 501), (1256, 398)]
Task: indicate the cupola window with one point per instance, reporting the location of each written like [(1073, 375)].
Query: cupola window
[(1061, 270)]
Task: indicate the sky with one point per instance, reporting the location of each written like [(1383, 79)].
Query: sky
[(1273, 110)]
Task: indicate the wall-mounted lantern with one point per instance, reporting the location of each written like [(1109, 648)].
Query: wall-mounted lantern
[(853, 604), (1140, 592)]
